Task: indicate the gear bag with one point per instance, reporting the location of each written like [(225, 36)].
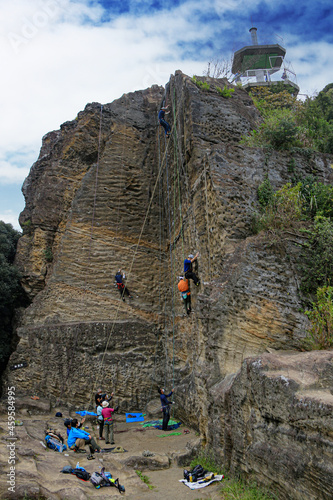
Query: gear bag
[(196, 473), (54, 444)]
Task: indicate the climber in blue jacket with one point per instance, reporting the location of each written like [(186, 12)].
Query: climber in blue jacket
[(162, 121)]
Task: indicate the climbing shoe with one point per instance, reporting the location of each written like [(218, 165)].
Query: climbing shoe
[(90, 457), (197, 284)]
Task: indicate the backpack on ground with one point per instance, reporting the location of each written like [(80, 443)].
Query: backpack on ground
[(67, 469), (196, 473), (54, 444), (81, 473), (100, 479)]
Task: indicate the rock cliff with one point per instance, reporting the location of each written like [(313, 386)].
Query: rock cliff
[(108, 191)]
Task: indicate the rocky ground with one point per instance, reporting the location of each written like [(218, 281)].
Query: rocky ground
[(38, 470)]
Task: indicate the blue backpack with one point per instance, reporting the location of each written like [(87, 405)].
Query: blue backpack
[(54, 444)]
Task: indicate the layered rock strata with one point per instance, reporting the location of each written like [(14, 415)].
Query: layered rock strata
[(109, 191)]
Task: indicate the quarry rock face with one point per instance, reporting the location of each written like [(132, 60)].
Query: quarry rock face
[(109, 191)]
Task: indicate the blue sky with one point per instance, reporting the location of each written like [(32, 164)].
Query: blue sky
[(58, 55)]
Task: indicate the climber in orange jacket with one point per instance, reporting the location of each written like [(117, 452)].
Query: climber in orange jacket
[(185, 294)]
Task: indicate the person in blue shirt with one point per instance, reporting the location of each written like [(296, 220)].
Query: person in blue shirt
[(121, 286), (78, 439), (165, 407), (163, 123), (188, 269)]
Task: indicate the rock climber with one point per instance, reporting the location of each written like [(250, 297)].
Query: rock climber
[(188, 269), (165, 404), (121, 286), (163, 111), (100, 397), (185, 293)]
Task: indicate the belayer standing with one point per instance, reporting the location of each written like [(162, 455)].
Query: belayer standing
[(188, 269), (162, 121), (165, 407), (121, 286), (185, 293)]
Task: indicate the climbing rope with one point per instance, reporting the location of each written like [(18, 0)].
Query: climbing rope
[(207, 221), (98, 371)]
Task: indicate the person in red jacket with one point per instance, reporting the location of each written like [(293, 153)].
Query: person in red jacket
[(108, 422)]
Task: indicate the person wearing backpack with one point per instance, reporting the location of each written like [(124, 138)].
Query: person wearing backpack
[(185, 294), (78, 439), (108, 422)]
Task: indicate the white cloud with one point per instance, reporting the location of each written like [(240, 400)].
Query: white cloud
[(9, 217)]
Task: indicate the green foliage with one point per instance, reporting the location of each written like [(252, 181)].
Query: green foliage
[(278, 131), (48, 254), (202, 85), (231, 488), (318, 197), (8, 241), (288, 123), (225, 92), (265, 192), (208, 462), (316, 260), (320, 335), (238, 490), (11, 292), (145, 479), (283, 210), (27, 227)]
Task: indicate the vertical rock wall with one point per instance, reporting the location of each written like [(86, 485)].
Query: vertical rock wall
[(109, 191)]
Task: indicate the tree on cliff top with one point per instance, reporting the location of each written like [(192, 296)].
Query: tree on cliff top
[(11, 291)]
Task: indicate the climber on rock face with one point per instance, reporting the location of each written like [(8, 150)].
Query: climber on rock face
[(163, 123), (188, 269), (185, 293), (121, 287)]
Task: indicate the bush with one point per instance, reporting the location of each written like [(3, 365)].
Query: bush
[(320, 335), (316, 260), (265, 193), (200, 84), (283, 209), (225, 92), (318, 198), (290, 123)]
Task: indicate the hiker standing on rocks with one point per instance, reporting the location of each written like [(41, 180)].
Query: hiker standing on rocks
[(163, 111), (108, 422), (121, 286), (188, 268), (165, 407), (185, 294)]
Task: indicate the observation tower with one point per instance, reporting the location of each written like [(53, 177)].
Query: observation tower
[(255, 64)]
